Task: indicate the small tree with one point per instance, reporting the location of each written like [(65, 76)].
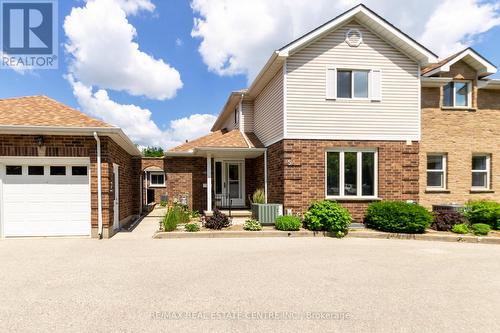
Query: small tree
[(152, 152)]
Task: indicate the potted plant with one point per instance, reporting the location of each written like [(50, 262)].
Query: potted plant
[(264, 212)]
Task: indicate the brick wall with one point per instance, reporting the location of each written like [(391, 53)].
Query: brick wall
[(85, 146), (297, 172), (460, 134), (158, 191), (185, 177), (254, 176)]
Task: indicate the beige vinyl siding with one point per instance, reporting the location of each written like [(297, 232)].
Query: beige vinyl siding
[(310, 115), (247, 116), (268, 111)]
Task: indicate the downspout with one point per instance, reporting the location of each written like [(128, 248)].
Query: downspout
[(99, 187)]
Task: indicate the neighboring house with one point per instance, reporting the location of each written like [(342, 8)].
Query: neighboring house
[(50, 177), (460, 146), (343, 113)]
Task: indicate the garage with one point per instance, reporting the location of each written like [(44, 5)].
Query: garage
[(45, 197)]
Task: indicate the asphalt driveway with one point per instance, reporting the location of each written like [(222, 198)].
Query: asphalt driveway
[(264, 284)]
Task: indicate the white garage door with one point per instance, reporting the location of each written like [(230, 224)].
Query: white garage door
[(45, 198)]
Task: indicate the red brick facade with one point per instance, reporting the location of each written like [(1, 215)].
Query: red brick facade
[(85, 146), (296, 175), (147, 162)]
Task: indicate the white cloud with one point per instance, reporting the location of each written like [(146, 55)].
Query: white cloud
[(237, 37), (103, 51), (136, 122), (457, 24)]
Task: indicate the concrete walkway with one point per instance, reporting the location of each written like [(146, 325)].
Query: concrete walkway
[(146, 228)]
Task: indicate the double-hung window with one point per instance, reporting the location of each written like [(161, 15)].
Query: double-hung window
[(351, 173), (157, 179), (481, 171), (436, 171), (457, 94)]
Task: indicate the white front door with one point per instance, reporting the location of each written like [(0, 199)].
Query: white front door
[(116, 201), (45, 197), (234, 183)]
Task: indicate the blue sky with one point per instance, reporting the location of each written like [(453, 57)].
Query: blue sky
[(237, 39)]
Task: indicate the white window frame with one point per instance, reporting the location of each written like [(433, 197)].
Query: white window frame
[(359, 173), (151, 173), (352, 70), (469, 96), (487, 171), (443, 170)]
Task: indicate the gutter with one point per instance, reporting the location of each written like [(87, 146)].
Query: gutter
[(99, 187)]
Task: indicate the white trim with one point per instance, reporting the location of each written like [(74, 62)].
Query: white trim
[(444, 186), (116, 197), (156, 173), (353, 69), (487, 171), (209, 183), (469, 95), (419, 102), (360, 9), (359, 166), (265, 175), (285, 96)]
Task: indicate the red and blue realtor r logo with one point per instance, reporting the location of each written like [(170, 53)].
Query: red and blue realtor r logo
[(29, 34)]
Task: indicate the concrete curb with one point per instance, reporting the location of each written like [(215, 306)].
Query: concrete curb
[(306, 233)]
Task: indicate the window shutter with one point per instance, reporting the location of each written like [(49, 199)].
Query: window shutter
[(376, 85), (331, 83)]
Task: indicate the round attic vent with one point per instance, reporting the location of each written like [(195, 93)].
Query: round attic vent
[(353, 37)]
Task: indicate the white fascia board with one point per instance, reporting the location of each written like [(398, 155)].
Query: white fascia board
[(289, 49), (486, 68), (434, 82)]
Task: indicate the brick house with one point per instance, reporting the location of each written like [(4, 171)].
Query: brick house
[(50, 175), (352, 111)]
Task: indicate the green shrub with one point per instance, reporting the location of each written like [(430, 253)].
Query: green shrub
[(171, 219), (163, 203), (398, 216), (481, 229), (487, 212), (258, 197), (461, 228), (192, 227), (195, 214), (329, 216), (287, 223), (252, 225)]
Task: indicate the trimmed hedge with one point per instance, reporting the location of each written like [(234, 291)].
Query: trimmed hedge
[(398, 216), (487, 212), (287, 223), (462, 228), (329, 216)]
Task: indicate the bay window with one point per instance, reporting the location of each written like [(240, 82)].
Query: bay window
[(480, 171), (351, 173), (457, 94), (436, 171)]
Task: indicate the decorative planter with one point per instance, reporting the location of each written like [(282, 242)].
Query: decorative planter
[(266, 214)]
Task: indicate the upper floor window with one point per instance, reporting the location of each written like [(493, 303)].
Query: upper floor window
[(363, 84), (352, 84), (236, 115), (481, 171), (457, 94)]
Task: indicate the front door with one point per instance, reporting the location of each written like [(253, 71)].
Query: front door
[(116, 201), (234, 183), (229, 183)]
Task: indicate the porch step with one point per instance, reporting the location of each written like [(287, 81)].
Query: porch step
[(234, 213)]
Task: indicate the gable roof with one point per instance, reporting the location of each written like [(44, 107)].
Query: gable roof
[(376, 23), (41, 115), (43, 111), (469, 56), (221, 139)]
